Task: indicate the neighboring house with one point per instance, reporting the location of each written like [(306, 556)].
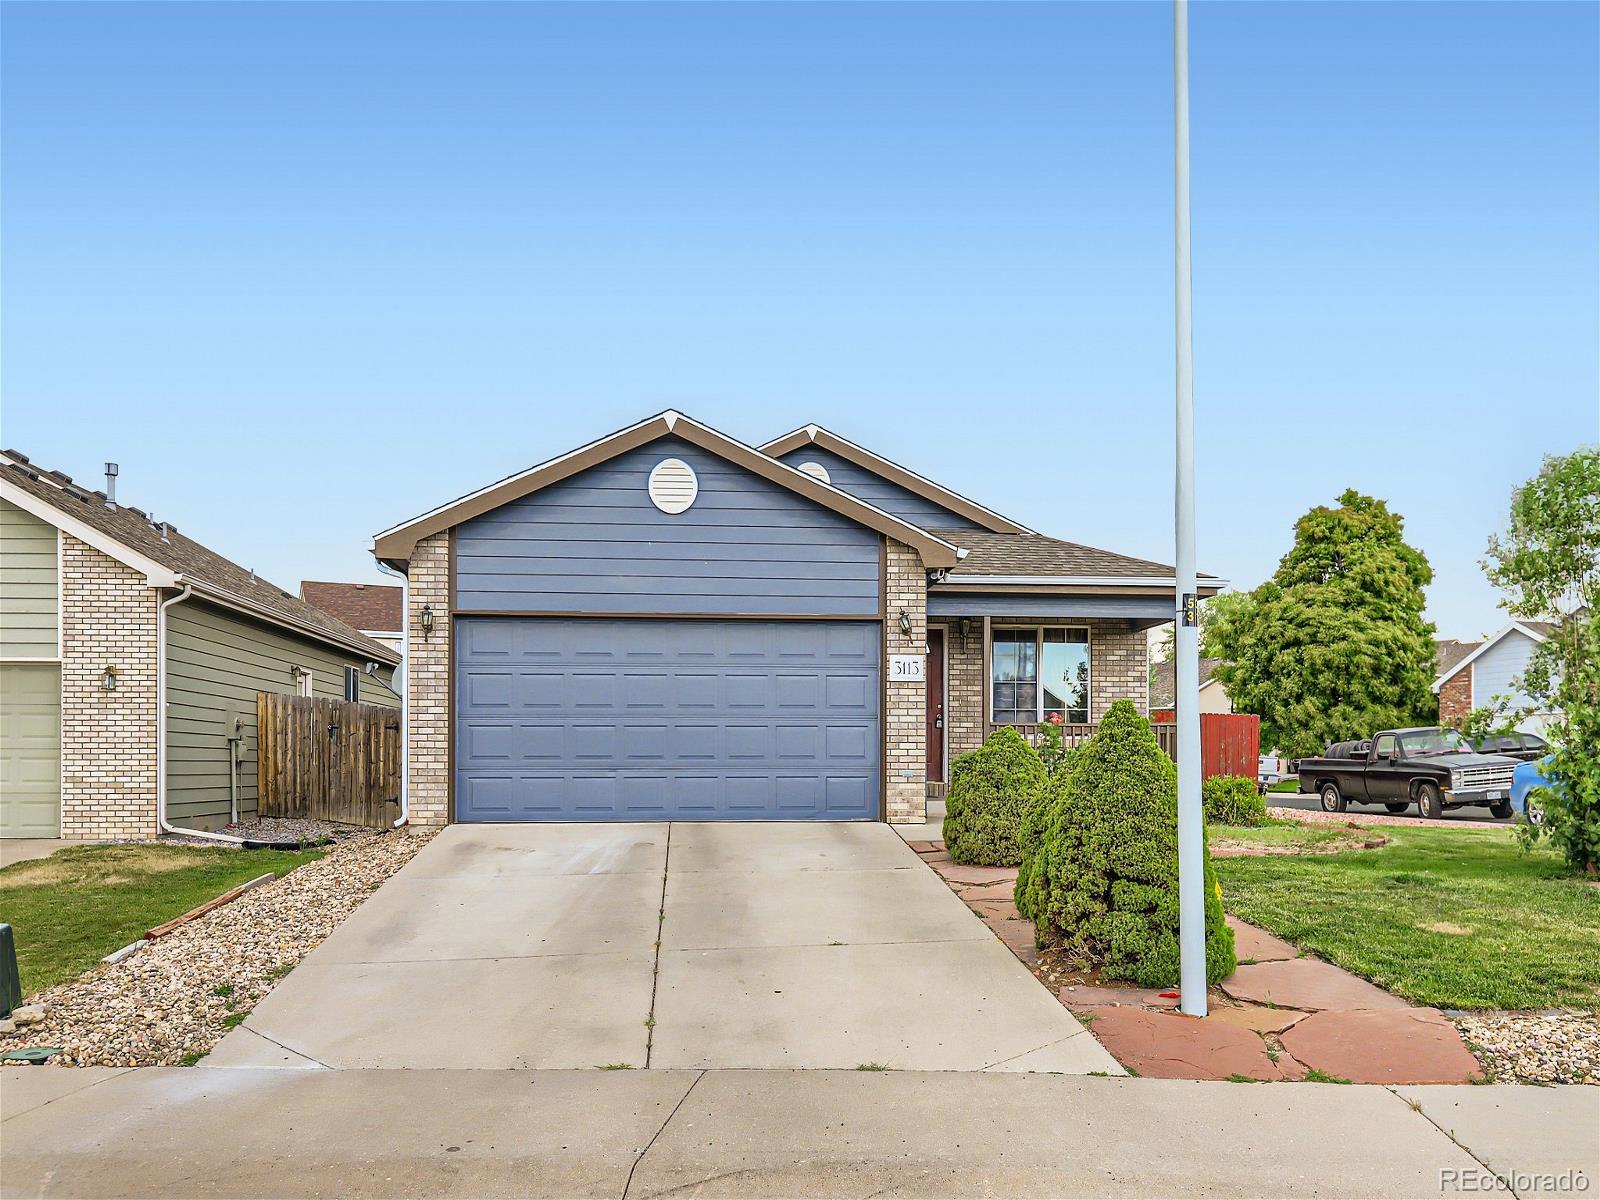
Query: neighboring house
[(128, 656), (1475, 674), (1163, 688), (670, 624), (373, 608)]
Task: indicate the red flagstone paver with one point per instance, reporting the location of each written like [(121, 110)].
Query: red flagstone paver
[(1004, 910), (1257, 945), (926, 847), (1306, 983), (1172, 1046), (1019, 937), (975, 875), (1409, 1045), (1256, 1016), (1084, 995), (1004, 890)]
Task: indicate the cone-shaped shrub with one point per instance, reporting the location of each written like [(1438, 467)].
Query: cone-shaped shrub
[(990, 790), (1100, 872)]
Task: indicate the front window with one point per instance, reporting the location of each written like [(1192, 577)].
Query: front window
[(1426, 742), (1040, 675)]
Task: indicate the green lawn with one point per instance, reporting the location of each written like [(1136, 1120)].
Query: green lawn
[(70, 910), (1452, 918), (1286, 785), (1291, 836)]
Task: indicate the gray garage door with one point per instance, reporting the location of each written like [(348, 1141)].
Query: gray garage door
[(643, 719)]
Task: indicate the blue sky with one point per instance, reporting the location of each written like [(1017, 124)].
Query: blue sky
[(307, 270)]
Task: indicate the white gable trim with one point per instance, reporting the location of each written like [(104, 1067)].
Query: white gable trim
[(155, 574), (1518, 626)]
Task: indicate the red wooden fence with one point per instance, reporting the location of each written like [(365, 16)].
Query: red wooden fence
[(1230, 744)]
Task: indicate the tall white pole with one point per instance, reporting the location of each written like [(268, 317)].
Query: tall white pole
[(1191, 820)]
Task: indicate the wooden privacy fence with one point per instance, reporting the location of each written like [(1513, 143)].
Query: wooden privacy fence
[(1229, 742), (330, 760)]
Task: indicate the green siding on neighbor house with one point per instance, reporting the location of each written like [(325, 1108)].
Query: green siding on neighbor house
[(29, 585), (216, 663)]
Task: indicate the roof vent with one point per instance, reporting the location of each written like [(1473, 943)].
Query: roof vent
[(111, 485), (673, 486), (816, 470)]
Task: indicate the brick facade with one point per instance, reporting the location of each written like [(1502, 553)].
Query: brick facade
[(905, 720), (1119, 669), (428, 684), (108, 739), (1455, 697)]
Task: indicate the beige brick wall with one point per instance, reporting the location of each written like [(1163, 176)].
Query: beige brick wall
[(906, 762), (108, 739), (1119, 668), (428, 684)]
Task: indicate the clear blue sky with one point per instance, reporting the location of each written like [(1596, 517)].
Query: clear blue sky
[(307, 270)]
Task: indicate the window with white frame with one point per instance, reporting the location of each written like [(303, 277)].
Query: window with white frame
[(352, 683), (302, 682), (1039, 674)]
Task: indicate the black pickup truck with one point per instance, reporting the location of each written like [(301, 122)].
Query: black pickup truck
[(1435, 769)]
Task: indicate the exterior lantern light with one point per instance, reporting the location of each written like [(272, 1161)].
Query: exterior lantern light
[(905, 623), (108, 679), (425, 618)]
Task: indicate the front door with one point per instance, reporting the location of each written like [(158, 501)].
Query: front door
[(935, 713)]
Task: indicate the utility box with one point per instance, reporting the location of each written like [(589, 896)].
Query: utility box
[(10, 979)]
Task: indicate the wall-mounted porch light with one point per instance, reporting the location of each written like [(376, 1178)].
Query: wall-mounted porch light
[(425, 619), (108, 679), (905, 623)]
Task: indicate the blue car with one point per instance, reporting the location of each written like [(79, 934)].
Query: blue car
[(1524, 779)]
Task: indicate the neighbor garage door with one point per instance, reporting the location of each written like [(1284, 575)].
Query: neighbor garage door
[(30, 750), (645, 719)]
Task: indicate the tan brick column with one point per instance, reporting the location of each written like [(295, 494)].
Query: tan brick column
[(108, 739), (906, 761), (1119, 667), (428, 683)]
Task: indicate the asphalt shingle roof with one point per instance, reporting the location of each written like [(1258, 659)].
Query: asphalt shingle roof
[(374, 606), (132, 527), (1164, 687), (1036, 554)]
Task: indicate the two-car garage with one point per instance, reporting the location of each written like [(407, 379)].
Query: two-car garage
[(658, 718)]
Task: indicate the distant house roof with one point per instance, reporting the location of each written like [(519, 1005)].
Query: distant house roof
[(370, 607), (1447, 652), (1537, 630), (994, 557), (1164, 687), (166, 557)]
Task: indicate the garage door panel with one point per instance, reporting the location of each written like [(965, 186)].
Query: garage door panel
[(30, 750), (731, 719)]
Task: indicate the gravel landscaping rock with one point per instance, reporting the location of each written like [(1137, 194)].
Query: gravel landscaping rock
[(281, 830), (1317, 817), (1535, 1047), (172, 1002)]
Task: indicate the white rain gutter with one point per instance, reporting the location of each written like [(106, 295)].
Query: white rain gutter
[(1075, 581), (405, 693), (165, 825)]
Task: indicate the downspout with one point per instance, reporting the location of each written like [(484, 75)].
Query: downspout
[(161, 727), (405, 693)]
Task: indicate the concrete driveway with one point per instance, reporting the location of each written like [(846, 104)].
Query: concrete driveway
[(665, 946)]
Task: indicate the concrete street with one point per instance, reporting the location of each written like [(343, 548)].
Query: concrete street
[(536, 946), (202, 1132)]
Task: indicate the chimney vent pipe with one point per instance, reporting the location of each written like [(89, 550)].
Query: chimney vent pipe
[(111, 485)]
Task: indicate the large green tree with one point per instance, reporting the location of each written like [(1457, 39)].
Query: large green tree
[(1334, 646), (1548, 562)]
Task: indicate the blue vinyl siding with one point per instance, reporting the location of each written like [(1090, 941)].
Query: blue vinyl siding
[(650, 719), (595, 543), (964, 603), (879, 492)]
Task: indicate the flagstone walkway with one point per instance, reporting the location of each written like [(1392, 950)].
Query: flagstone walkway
[(1282, 1015)]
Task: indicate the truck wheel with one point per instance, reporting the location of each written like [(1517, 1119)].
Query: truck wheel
[(1501, 809), (1332, 801), (1397, 808), (1430, 801)]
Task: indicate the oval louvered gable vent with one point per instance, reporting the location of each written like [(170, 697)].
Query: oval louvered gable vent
[(673, 486), (816, 470)]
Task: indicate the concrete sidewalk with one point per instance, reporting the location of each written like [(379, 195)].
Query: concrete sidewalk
[(771, 1133)]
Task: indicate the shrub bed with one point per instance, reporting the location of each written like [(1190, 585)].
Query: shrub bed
[(1100, 868), (1233, 800), (991, 788)]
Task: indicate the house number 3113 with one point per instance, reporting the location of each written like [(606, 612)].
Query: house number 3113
[(908, 668)]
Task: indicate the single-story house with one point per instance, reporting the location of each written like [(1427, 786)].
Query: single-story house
[(1214, 697), (130, 655), (373, 608), (667, 623), (1475, 674)]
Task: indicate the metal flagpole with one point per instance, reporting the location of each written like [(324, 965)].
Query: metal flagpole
[(1191, 820)]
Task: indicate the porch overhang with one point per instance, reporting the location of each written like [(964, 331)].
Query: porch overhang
[(1142, 602)]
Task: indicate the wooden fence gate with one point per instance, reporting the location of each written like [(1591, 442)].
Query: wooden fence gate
[(1230, 744), (330, 760)]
